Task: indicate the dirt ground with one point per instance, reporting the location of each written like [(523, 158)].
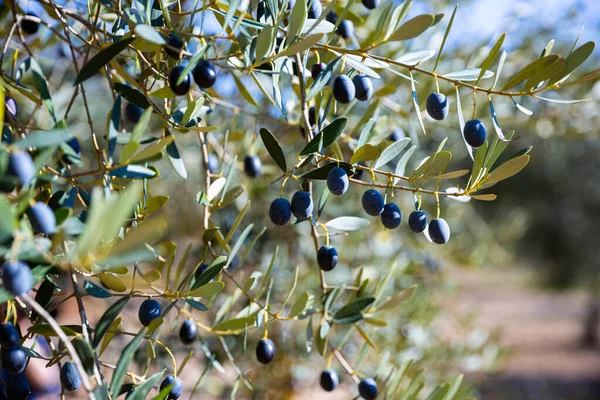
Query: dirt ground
[(542, 330)]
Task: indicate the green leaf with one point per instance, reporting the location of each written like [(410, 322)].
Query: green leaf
[(85, 353), (321, 172), (545, 73), (366, 152), (207, 290), (469, 74), (401, 166), (301, 45), (133, 171), (41, 139), (413, 27), (415, 57), (131, 95), (196, 304), (141, 391), (211, 272), (330, 134), (95, 291), (297, 19), (234, 325), (347, 223), (107, 318), (123, 363), (273, 147), (41, 85), (151, 151), (149, 34), (244, 90), (176, 160), (47, 330), (299, 306), (530, 70), (587, 77), (101, 59), (113, 127), (391, 152), (489, 60), (264, 43), (437, 60), (505, 171), (7, 219), (351, 312), (574, 60)]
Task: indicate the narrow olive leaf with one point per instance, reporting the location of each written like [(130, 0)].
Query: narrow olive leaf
[(95, 291), (587, 77), (107, 318), (123, 363), (437, 60), (85, 353), (152, 150), (413, 27), (215, 188), (234, 325), (101, 59), (238, 244), (297, 19), (196, 304), (41, 84), (356, 62), (133, 171), (530, 70), (351, 312), (399, 297), (47, 330), (505, 171), (348, 224), (391, 152), (401, 166), (208, 290), (321, 172), (416, 103), (574, 60), (113, 126), (415, 57), (545, 73), (469, 74), (211, 272), (521, 108), (299, 306), (244, 90), (496, 123), (391, 20), (484, 197), (366, 152), (560, 101), (176, 160), (140, 392), (149, 34), (323, 79), (273, 147), (41, 139), (461, 122), (131, 95), (452, 174), (330, 134), (315, 27), (489, 60), (301, 45), (264, 43)]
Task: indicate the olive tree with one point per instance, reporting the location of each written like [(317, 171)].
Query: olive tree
[(269, 127)]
